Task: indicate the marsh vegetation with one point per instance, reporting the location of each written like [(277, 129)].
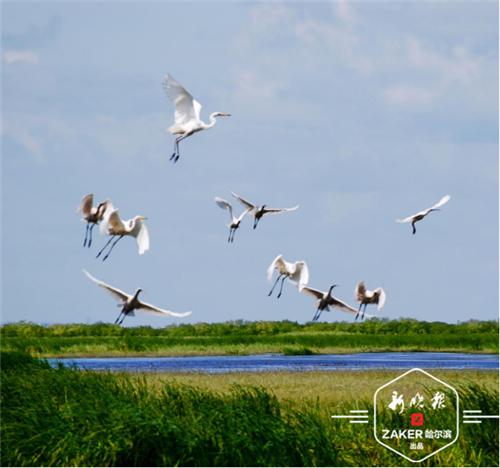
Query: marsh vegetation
[(64, 417), (240, 337)]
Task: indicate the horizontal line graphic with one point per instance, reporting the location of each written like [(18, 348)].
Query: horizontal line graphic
[(350, 416), (481, 416)]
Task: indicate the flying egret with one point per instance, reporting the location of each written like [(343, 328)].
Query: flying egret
[(235, 222), (325, 300), (187, 113), (130, 302), (365, 297), (259, 211), (422, 214), (134, 227), (297, 272), (92, 215)]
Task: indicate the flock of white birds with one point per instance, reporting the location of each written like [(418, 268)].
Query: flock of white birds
[(187, 122)]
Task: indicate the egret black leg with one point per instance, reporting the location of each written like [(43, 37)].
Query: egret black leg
[(281, 287), (359, 310), (175, 154), (86, 234), (109, 251), (176, 148), (90, 235), (414, 228), (116, 321), (364, 310), (102, 250), (123, 318), (175, 157), (274, 285)]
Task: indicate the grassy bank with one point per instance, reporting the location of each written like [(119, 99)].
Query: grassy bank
[(63, 417), (249, 338), (329, 389)]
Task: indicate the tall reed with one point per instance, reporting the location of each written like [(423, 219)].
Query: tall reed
[(65, 417)]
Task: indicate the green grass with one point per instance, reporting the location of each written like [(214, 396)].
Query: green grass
[(249, 338), (64, 417), (327, 388)]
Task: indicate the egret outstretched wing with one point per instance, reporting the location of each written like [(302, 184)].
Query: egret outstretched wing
[(86, 205), (381, 298), (277, 263), (425, 212), (151, 309), (115, 292), (115, 223), (360, 290), (221, 203), (143, 239), (441, 202), (103, 225), (334, 302), (304, 274), (244, 202), (242, 215), (186, 107), (312, 292), (279, 210)]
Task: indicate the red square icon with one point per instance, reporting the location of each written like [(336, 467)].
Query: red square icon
[(417, 419)]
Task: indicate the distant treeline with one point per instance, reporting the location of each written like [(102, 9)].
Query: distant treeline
[(64, 417), (240, 337), (260, 328)]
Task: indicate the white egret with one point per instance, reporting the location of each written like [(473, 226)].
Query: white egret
[(297, 272), (134, 227), (325, 300), (365, 297), (422, 214), (129, 302), (259, 211), (235, 222), (92, 215), (187, 114)]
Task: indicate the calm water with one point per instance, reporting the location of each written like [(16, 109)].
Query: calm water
[(277, 362)]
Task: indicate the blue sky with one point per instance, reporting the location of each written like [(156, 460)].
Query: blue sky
[(361, 112)]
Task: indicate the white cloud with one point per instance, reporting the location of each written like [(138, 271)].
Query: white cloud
[(410, 95), (24, 138), (20, 56), (404, 67), (119, 138), (437, 72), (455, 65), (252, 86), (345, 11), (342, 42)]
